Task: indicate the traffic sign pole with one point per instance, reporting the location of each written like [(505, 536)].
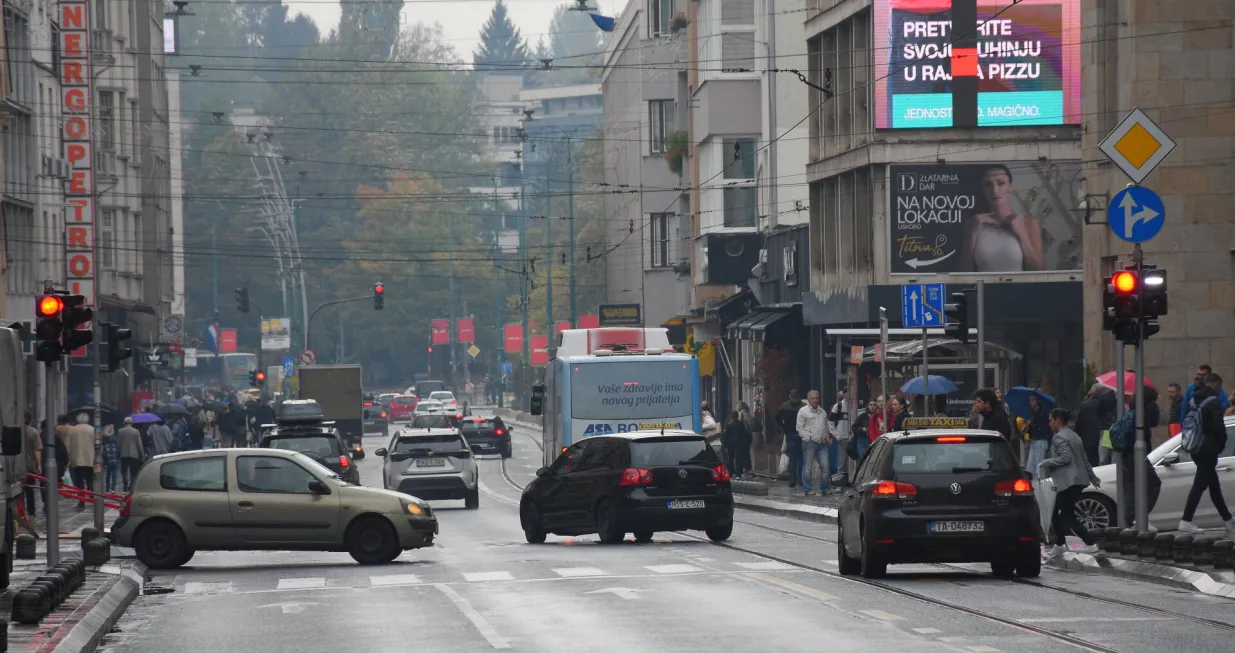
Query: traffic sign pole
[(926, 376), (883, 363), (1120, 499)]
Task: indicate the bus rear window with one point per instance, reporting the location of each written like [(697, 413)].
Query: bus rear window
[(670, 452), (631, 390), (931, 457)]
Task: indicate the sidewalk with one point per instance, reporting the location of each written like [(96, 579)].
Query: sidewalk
[(775, 497)]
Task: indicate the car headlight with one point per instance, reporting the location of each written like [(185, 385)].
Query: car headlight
[(416, 507)]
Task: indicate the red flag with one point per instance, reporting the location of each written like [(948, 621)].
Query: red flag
[(513, 337), (589, 321), (440, 331), (227, 341), (540, 350), (561, 326), (465, 327)]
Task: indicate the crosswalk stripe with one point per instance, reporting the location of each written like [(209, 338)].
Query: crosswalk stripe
[(301, 583), (394, 579), (579, 572), (770, 565), (207, 588), (483, 576), (673, 569)]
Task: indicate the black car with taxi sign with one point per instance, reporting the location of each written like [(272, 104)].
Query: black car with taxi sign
[(938, 491)]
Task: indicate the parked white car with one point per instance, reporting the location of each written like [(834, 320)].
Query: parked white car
[(1096, 507)]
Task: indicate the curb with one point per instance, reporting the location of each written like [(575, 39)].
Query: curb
[(1217, 583), (116, 594), (817, 514)]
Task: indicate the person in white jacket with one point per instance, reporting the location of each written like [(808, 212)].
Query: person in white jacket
[(813, 429)]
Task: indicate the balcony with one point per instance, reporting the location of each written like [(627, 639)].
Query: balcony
[(106, 164), (102, 47)]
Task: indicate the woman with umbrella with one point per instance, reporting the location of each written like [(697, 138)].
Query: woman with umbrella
[(1033, 406)]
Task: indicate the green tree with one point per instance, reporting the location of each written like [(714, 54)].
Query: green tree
[(577, 46), (501, 45)]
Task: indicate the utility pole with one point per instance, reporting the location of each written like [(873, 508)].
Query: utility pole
[(451, 331), (570, 191), (524, 277), (981, 293), (549, 245)]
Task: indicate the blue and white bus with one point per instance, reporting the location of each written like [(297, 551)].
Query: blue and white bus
[(615, 380)]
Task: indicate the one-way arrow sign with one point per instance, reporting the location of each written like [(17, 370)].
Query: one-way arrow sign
[(1136, 214)]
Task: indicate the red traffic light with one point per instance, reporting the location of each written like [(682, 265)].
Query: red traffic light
[(379, 289), (430, 350), (50, 305), (261, 376), (1124, 282)]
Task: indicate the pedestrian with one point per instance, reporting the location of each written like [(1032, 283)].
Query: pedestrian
[(839, 430), (1092, 419), (787, 420), (994, 418), (1205, 413), (111, 460), (63, 428), (711, 428), (812, 425), (859, 433), (1175, 417), (81, 456), (161, 440), (132, 453), (735, 438), (1040, 436), (1071, 473), (1203, 372), (897, 413), (32, 443)]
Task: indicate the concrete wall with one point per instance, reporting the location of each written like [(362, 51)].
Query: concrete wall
[(1175, 60)]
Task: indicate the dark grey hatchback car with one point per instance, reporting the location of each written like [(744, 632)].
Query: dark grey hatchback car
[(639, 482)]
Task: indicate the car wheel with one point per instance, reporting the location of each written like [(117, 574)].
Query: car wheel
[(847, 566), (643, 536), (1095, 511), (1030, 567), (507, 452), (607, 526), (472, 501), (720, 532), (532, 528), (872, 566), (372, 541), (1003, 569), (161, 545)]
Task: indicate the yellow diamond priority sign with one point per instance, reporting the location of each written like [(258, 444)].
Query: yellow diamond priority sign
[(473, 351), (1137, 146)]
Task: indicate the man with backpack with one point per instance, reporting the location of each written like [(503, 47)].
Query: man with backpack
[(1204, 438), (1123, 443)]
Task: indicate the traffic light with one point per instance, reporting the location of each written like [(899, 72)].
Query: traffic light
[(379, 296), (430, 350), (117, 346), (259, 379), (242, 300), (956, 316), (48, 328), (1153, 297), (74, 315), (1132, 301)]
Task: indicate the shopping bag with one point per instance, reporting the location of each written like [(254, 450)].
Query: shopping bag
[(783, 467), (1044, 493)]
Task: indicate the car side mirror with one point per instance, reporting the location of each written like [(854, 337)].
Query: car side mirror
[(1170, 459), (380, 453), (398, 457), (477, 449), (542, 472), (840, 480), (318, 487)]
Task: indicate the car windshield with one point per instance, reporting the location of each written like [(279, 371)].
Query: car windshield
[(324, 446), (404, 401), (431, 422), (671, 452), (442, 396), (426, 406), (931, 457), (445, 443)]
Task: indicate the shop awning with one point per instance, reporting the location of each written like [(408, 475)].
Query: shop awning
[(759, 329), (753, 325)]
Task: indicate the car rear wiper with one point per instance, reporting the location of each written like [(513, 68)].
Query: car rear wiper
[(961, 470)]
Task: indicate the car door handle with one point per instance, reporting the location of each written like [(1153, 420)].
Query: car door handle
[(246, 504)]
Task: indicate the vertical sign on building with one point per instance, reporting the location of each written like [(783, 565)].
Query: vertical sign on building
[(965, 64), (439, 332), (465, 329), (75, 95)]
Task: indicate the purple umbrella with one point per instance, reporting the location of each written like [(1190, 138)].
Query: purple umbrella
[(145, 418)]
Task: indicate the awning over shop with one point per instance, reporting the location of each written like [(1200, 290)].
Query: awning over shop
[(753, 325)]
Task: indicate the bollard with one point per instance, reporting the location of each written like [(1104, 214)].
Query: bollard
[(96, 552), (1203, 550), (1164, 547), (4, 635), (1145, 545), (71, 577), (89, 533), (78, 567), (1223, 554), (1183, 549), (1127, 542), (1110, 539), (53, 593), (25, 547), (29, 606), (60, 590), (65, 579)]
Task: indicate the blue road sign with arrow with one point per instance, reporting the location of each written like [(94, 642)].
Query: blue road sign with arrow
[(922, 305), (1136, 214), (289, 367), (508, 368)]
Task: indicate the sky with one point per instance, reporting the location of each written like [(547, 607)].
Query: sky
[(461, 20)]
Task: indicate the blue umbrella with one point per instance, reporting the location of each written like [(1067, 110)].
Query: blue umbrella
[(145, 418), (1018, 401), (935, 385)]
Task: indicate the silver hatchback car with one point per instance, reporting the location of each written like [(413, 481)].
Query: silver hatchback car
[(432, 463)]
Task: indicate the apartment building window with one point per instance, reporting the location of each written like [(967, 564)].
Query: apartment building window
[(662, 239), (660, 123), (135, 129), (737, 35), (107, 120), (844, 122), (20, 157), (107, 239), (741, 206), (503, 135), (660, 17), (739, 156), (19, 248)]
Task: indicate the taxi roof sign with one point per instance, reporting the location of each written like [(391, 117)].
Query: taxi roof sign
[(912, 423)]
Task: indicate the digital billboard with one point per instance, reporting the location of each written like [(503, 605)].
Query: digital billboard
[(1028, 68), (985, 217)]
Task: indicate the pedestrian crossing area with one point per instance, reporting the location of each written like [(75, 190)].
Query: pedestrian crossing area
[(248, 584)]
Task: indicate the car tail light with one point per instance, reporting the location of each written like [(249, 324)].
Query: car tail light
[(721, 473), (950, 439), (633, 476), (458, 415), (127, 507), (345, 462), (368, 403), (383, 415), (895, 490), (499, 432), (1018, 488)]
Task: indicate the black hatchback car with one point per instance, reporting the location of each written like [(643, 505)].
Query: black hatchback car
[(491, 433), (640, 482), (938, 495), (321, 443)]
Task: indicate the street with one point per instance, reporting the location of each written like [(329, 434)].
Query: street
[(773, 586)]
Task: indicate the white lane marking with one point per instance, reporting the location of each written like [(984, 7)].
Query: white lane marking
[(1071, 620), (394, 579), (579, 572), (288, 608), (800, 590), (485, 576), (478, 620), (301, 583), (880, 614), (982, 649), (673, 569), (770, 565), (927, 631), (208, 588)]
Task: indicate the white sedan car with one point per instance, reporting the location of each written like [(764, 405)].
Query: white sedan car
[(1096, 507), (429, 407), (446, 397)]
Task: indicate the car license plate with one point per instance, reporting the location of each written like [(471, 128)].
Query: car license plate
[(431, 462), (689, 504), (957, 526)]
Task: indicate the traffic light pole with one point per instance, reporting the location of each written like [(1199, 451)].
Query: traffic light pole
[(883, 362), (1120, 499), (309, 323), (980, 291), (52, 485), (926, 376), (1140, 447), (99, 481)]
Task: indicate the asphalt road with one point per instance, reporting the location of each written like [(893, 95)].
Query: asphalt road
[(773, 586)]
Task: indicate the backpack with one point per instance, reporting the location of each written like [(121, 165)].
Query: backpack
[(1123, 432), (1192, 430)]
